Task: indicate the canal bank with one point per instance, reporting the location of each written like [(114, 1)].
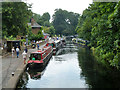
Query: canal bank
[(14, 65)]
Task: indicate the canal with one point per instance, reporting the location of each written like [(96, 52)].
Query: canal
[(72, 67)]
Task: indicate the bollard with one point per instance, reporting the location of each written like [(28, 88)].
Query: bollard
[(12, 73)]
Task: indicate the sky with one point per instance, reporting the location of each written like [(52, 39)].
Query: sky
[(42, 6)]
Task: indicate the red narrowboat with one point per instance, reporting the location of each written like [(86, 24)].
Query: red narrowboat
[(40, 57), (56, 45)]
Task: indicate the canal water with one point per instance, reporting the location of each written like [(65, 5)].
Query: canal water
[(72, 67)]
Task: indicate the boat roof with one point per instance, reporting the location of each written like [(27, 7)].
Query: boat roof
[(42, 50), (51, 41)]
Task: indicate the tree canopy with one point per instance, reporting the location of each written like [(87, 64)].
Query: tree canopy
[(65, 22), (15, 17), (100, 24), (42, 20)]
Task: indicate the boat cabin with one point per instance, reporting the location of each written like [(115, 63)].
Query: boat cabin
[(51, 44), (35, 56), (40, 55)]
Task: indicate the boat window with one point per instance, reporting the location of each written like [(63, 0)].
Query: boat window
[(36, 56), (43, 55), (31, 56), (53, 45), (39, 57)]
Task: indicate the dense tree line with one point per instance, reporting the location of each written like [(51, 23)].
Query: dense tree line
[(42, 20), (100, 24), (15, 17), (65, 22)]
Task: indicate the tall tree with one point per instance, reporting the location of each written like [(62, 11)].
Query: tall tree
[(15, 16), (65, 22), (100, 24)]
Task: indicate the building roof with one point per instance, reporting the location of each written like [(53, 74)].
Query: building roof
[(35, 25)]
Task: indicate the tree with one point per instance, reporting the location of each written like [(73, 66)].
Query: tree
[(15, 17), (100, 24), (46, 16), (32, 36), (65, 22), (42, 20)]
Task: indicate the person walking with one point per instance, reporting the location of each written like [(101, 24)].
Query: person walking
[(37, 45), (17, 51), (26, 50), (24, 56), (13, 50)]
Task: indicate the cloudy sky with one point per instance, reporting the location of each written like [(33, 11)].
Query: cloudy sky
[(42, 6)]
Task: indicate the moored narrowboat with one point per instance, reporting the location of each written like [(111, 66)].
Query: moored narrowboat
[(40, 57), (80, 42), (56, 45)]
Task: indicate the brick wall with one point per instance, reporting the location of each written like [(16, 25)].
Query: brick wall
[(35, 30)]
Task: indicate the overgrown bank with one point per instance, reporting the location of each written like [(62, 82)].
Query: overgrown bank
[(100, 24)]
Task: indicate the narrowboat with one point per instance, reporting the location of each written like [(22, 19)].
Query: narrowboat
[(74, 40), (80, 41), (40, 57), (56, 45)]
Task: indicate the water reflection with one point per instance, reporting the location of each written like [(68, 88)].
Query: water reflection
[(23, 81), (35, 74), (97, 75), (58, 58)]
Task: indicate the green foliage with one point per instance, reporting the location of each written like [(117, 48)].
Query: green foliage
[(15, 17), (100, 24), (23, 40), (9, 38), (65, 22), (50, 30), (46, 16), (47, 24), (32, 36), (42, 20)]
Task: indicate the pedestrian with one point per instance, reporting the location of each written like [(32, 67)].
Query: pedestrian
[(25, 43), (24, 56), (17, 51), (26, 49), (13, 50), (34, 41), (38, 46)]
